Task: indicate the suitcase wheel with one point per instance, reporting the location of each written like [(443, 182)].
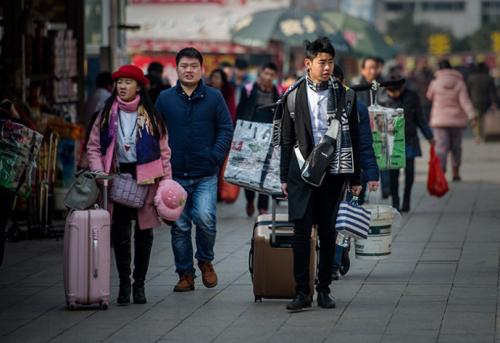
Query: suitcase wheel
[(104, 306), (71, 306), (258, 299)]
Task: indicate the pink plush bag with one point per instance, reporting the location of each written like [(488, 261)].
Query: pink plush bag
[(125, 191)]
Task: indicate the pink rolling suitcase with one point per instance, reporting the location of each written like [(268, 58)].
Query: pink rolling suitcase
[(87, 251)]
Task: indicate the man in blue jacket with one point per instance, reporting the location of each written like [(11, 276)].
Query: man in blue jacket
[(200, 131), (369, 168)]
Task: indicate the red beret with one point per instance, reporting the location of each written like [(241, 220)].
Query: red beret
[(132, 72)]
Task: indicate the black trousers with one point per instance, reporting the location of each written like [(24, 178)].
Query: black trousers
[(409, 179), (321, 210), (262, 202), (121, 235)]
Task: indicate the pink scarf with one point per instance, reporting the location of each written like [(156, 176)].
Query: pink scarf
[(120, 104)]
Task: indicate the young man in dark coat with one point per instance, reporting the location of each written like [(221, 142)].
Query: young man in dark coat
[(318, 99), (200, 133)]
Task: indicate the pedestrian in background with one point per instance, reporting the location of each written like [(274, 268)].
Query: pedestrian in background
[(420, 78), (451, 111), (218, 79), (407, 99), (95, 103), (129, 136), (201, 131), (157, 83), (240, 77), (254, 95), (483, 94)]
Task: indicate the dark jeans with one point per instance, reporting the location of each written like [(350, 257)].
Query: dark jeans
[(121, 235), (321, 210), (409, 178), (6, 201), (262, 202)]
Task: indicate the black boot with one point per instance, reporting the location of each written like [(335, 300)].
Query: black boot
[(122, 246), (300, 302), (143, 244), (406, 203), (395, 202), (325, 300), (124, 293), (139, 293)]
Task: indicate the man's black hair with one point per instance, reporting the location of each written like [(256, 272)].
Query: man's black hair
[(241, 64), (380, 60), (189, 53), (270, 65), (368, 58), (322, 44), (104, 80), (444, 64), (155, 68), (338, 73), (225, 64)]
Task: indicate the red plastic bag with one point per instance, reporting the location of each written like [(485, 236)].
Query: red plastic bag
[(436, 180), (228, 192)]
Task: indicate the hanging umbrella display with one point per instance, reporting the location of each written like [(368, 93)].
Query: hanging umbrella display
[(289, 26), (362, 36)]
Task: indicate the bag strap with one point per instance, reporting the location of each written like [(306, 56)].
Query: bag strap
[(290, 103)]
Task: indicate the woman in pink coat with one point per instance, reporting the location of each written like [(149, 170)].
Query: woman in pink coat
[(451, 111), (130, 137)]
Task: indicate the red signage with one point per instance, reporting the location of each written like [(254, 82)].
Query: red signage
[(159, 2)]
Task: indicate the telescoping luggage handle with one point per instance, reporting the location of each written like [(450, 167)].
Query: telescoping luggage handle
[(94, 237), (275, 225)]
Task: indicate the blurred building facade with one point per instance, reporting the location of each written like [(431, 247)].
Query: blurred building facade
[(461, 17)]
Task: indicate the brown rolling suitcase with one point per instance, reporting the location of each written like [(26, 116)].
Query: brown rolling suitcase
[(491, 125), (271, 257)]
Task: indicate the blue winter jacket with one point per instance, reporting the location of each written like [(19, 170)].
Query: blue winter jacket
[(199, 127), (369, 167)]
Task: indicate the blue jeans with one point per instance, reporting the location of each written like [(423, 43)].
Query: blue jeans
[(200, 209), (337, 258)]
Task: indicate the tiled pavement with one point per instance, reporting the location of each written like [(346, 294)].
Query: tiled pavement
[(440, 285)]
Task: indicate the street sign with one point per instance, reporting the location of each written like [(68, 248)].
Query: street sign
[(439, 44), (495, 41)]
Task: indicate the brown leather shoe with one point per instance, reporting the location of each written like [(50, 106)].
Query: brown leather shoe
[(208, 274), (185, 284)]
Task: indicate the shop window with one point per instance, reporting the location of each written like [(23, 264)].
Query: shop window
[(399, 6), (443, 6)]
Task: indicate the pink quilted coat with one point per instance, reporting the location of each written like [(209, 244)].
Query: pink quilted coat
[(451, 105), (147, 216)]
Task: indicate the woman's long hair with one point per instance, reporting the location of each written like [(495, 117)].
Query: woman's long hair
[(158, 125), (226, 89)]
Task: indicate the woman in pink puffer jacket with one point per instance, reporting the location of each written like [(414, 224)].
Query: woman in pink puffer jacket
[(451, 111)]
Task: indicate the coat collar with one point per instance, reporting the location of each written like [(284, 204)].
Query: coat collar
[(199, 92)]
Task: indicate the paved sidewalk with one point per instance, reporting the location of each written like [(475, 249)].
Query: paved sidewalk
[(440, 285)]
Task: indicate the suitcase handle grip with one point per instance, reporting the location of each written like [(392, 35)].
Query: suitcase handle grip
[(95, 253)]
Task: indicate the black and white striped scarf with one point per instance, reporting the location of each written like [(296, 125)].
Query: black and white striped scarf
[(343, 162)]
